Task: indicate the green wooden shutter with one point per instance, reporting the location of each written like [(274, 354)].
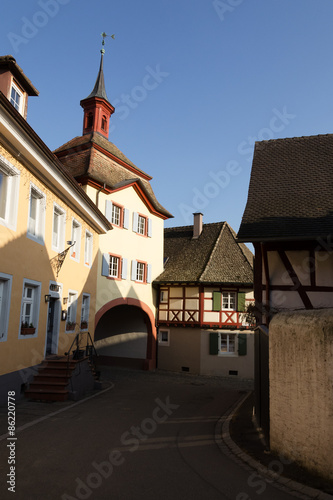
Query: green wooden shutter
[(241, 302), (217, 298), (242, 344), (213, 343)]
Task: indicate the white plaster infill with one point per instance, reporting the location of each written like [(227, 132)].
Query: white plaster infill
[(233, 451)]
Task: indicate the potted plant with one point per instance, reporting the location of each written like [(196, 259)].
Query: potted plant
[(84, 325), (70, 326), (27, 328)]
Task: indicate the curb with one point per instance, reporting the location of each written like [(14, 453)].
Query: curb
[(233, 451)]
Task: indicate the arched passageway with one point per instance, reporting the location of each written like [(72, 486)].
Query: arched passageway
[(125, 334)]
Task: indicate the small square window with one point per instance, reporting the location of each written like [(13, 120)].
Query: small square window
[(227, 343), (114, 267), (116, 214), (228, 301), (164, 337)]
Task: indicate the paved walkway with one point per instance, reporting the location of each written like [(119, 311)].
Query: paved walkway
[(145, 436)]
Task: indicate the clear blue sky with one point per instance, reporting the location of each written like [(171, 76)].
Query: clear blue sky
[(194, 83)]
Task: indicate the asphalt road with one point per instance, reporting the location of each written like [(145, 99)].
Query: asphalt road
[(145, 436)]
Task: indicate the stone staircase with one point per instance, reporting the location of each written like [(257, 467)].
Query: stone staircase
[(54, 381)]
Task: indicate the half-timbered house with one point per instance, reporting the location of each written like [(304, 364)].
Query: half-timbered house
[(289, 219), (203, 295)]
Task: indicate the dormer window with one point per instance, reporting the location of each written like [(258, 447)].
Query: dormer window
[(16, 98), (104, 123)]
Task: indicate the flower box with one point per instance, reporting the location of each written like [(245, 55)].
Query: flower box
[(27, 330)]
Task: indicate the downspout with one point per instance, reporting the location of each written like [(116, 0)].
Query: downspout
[(97, 194)]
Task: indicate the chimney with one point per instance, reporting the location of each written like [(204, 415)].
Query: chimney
[(197, 225)]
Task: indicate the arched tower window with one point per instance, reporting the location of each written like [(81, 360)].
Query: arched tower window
[(104, 123), (90, 120)]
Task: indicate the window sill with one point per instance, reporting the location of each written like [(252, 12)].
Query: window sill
[(36, 239)]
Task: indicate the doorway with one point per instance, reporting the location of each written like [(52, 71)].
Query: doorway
[(52, 327)]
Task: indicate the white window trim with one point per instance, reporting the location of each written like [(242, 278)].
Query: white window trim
[(77, 245), (229, 308), (36, 306), (160, 341), (41, 216), (228, 354), (62, 228), (20, 93), (88, 261), (76, 294), (85, 319), (10, 219), (5, 307)]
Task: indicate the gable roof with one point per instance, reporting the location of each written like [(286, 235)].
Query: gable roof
[(9, 62), (67, 187), (290, 192), (214, 257), (92, 156)]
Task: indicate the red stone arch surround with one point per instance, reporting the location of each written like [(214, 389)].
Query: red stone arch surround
[(150, 363)]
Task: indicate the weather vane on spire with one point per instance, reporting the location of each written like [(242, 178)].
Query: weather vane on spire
[(104, 35)]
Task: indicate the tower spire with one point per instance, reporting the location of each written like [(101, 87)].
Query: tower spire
[(97, 107)]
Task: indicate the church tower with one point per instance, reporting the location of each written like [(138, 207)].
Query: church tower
[(97, 107)]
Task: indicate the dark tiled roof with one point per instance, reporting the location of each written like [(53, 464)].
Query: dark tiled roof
[(99, 88), (82, 159), (10, 63), (215, 257), (290, 192)]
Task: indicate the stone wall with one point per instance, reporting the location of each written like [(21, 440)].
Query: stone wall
[(301, 388)]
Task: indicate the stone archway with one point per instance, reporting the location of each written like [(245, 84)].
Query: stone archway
[(125, 334)]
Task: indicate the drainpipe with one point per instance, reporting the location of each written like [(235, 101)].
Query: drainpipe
[(97, 194)]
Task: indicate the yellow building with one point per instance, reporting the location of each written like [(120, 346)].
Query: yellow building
[(49, 231), (131, 256)]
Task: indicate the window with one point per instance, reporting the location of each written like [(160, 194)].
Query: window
[(113, 266), (141, 272), (16, 98), (164, 337), (30, 306), (142, 225), (85, 311), (116, 213), (9, 193), (5, 294), (164, 296), (104, 123), (227, 343), (88, 248), (90, 120), (76, 240), (36, 220), (229, 301), (71, 310), (58, 229)]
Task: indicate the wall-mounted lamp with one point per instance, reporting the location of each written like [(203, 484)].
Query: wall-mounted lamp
[(65, 300), (47, 298), (63, 315)]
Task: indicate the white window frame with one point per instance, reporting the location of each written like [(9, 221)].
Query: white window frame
[(5, 296), (11, 192), (88, 248), (162, 340), (38, 232), (71, 308), (85, 309), (230, 337), (19, 107), (142, 223), (35, 302), (140, 270), (229, 295), (59, 245), (114, 266), (116, 214), (75, 236)]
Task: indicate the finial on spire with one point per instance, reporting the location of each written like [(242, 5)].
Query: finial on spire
[(104, 35)]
